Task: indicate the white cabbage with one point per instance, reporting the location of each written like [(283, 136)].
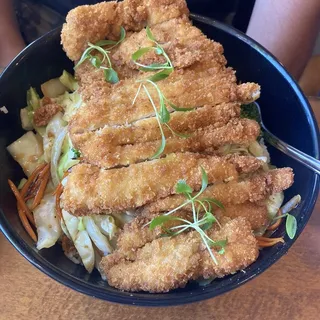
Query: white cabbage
[(70, 102), (96, 236), (47, 222), (258, 149), (84, 246), (68, 158), (106, 224), (274, 203), (54, 127), (27, 151), (71, 223), (80, 239)]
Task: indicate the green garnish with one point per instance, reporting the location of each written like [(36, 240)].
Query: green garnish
[(163, 115), (76, 153), (199, 224), (109, 73), (166, 68), (291, 221)]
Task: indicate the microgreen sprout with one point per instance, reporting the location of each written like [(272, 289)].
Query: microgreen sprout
[(109, 73), (291, 221), (199, 224), (163, 114)]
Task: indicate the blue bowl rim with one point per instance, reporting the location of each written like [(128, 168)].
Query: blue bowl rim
[(181, 297)]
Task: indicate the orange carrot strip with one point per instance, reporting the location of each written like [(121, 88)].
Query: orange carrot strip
[(277, 223), (21, 202), (265, 244), (31, 179), (59, 186), (44, 178), (268, 242), (26, 224)]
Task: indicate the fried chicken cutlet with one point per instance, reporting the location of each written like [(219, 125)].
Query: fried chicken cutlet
[(90, 189), (253, 189), (111, 123), (168, 263), (101, 148)]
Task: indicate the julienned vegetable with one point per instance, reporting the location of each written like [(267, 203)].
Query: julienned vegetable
[(45, 159)]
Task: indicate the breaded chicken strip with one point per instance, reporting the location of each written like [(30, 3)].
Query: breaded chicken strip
[(242, 250), (90, 189), (112, 105), (96, 150), (91, 23), (137, 233), (185, 46), (168, 263), (162, 265), (253, 189), (148, 129)]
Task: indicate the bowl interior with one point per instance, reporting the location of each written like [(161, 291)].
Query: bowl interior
[(285, 112)]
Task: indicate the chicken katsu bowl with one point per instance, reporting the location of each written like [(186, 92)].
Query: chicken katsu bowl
[(134, 168)]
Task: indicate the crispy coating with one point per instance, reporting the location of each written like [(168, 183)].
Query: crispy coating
[(236, 131), (148, 129), (148, 269), (162, 265), (253, 189), (255, 213), (90, 189), (112, 105), (91, 23), (185, 46), (137, 233), (43, 115), (240, 252)]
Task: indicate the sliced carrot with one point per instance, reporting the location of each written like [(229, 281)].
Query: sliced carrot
[(44, 178), (59, 186), (268, 242), (31, 179), (21, 202), (277, 223), (26, 224)]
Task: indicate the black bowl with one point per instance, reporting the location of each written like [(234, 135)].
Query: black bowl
[(285, 110)]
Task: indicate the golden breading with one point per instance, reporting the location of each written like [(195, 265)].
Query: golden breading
[(168, 263), (185, 46), (92, 190), (112, 105), (242, 250), (97, 151), (91, 23), (162, 265), (253, 189), (137, 233), (148, 129), (44, 114)]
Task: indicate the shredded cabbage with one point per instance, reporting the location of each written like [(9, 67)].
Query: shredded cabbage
[(26, 120), (274, 203), (47, 223), (54, 127), (84, 246), (68, 158), (70, 102), (96, 236), (55, 155), (27, 151), (106, 225), (68, 81)]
